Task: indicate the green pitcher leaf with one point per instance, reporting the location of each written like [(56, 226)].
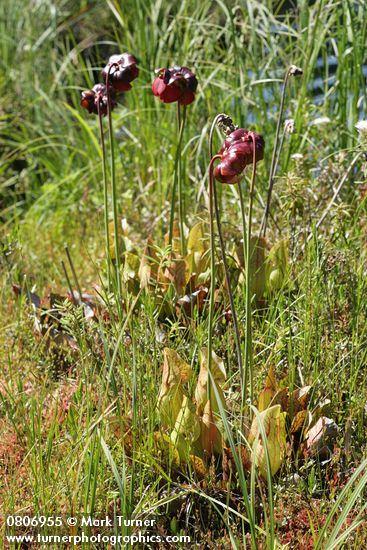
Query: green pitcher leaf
[(273, 420), (218, 373), (175, 373)]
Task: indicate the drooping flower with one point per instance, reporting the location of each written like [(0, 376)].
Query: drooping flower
[(121, 70), (97, 95), (236, 153), (175, 84)]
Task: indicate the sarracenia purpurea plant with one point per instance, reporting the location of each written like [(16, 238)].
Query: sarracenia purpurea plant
[(120, 71)]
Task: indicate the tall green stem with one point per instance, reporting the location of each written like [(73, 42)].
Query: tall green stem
[(113, 186), (181, 214), (223, 253), (105, 198), (275, 157), (249, 376), (177, 177), (212, 269), (229, 289), (244, 224)]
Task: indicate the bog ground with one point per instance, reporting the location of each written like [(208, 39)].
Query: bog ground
[(183, 306)]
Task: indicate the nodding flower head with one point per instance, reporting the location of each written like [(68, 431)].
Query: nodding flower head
[(97, 96), (175, 84), (121, 69), (236, 153)]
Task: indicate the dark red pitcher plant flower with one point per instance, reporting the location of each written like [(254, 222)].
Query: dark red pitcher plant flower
[(96, 100), (239, 150), (120, 71), (176, 84)]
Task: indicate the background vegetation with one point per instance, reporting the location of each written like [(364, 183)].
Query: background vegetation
[(63, 412)]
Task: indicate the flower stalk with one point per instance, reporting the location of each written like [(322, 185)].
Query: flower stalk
[(118, 74), (213, 190), (177, 180), (105, 198), (212, 267), (240, 149), (248, 362), (291, 71), (176, 84), (113, 185), (229, 288)]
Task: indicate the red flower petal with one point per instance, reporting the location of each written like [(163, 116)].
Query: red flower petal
[(122, 86), (187, 97), (225, 174), (170, 94), (85, 103), (158, 86)]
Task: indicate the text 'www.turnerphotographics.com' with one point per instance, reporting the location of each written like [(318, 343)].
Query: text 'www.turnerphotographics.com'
[(74, 530)]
